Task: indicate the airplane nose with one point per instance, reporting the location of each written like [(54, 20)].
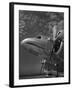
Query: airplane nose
[(25, 41), (29, 43), (38, 46), (25, 44), (32, 42)]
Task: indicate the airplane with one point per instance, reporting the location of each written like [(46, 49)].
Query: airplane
[(46, 48)]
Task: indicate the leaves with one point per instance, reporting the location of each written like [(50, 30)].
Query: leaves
[(35, 22)]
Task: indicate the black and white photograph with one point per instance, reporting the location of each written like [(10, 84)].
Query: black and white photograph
[(40, 44)]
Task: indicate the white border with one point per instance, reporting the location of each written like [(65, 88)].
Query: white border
[(16, 46)]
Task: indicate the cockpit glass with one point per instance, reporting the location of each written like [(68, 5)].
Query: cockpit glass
[(39, 37)]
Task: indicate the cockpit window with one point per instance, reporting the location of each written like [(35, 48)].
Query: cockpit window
[(39, 37)]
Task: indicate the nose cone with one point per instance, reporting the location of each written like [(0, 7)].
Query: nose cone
[(32, 45), (37, 46), (26, 41)]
